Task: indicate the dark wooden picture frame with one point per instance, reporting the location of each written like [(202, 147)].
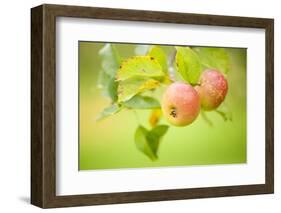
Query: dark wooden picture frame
[(43, 105)]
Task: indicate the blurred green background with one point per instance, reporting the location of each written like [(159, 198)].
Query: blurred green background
[(109, 143)]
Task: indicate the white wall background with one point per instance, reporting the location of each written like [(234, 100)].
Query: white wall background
[(15, 105)]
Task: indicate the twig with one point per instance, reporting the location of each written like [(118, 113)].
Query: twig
[(204, 116), (171, 69)]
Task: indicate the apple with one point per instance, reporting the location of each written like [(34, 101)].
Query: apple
[(180, 104), (212, 89)]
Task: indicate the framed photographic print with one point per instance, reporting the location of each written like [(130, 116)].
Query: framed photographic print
[(135, 106)]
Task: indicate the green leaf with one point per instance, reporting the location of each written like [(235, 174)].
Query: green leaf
[(160, 130), (110, 61), (148, 141), (142, 143), (130, 87), (214, 58), (111, 110), (188, 64), (158, 53), (103, 79), (155, 135), (139, 66), (112, 88), (108, 86), (142, 102)]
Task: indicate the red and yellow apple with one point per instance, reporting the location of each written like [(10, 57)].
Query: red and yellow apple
[(212, 89), (180, 104)]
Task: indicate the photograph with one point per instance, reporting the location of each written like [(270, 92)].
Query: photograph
[(138, 105), (157, 105)]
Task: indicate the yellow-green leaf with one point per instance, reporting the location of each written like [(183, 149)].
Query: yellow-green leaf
[(130, 87), (139, 66), (188, 64), (158, 53)]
